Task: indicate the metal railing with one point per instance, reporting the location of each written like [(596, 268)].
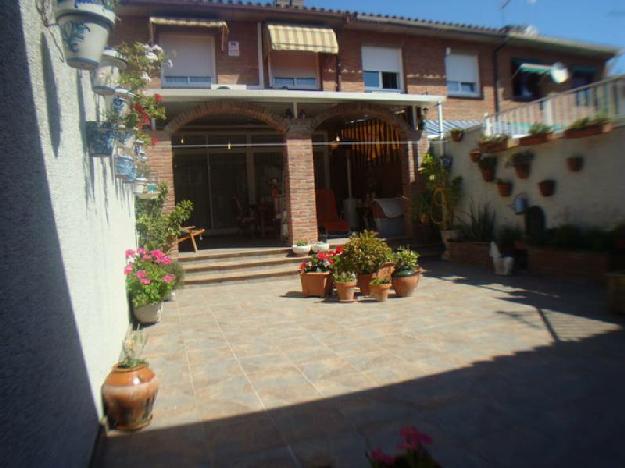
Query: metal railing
[(560, 110)]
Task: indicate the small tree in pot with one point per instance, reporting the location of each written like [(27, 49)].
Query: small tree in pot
[(365, 254), (407, 272)]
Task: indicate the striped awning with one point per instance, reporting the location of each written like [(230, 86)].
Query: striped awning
[(192, 23), (537, 68), (303, 38)]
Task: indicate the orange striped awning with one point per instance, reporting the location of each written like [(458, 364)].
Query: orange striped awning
[(190, 22), (303, 38)]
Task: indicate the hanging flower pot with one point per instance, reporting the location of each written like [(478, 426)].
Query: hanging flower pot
[(521, 163), (124, 166), (139, 185), (504, 187), (488, 166), (118, 104), (575, 163), (101, 139), (85, 26), (547, 187), (475, 155), (106, 75), (126, 138), (457, 134), (522, 170), (150, 191)]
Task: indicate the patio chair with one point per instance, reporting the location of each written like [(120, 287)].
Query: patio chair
[(327, 216), (189, 233)]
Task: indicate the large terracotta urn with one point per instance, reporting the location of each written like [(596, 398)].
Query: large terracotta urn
[(316, 283), (405, 282), (129, 395), (363, 283)]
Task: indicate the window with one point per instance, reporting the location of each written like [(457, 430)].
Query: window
[(525, 84), (193, 60), (582, 76), (463, 75), (294, 70), (382, 70)]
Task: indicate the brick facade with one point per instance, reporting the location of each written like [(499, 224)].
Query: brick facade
[(161, 164)]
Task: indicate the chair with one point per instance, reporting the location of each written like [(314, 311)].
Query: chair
[(327, 217), (189, 233)]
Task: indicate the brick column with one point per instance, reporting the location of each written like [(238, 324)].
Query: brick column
[(409, 177), (161, 162), (300, 184)]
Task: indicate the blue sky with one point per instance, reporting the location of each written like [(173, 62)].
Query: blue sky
[(601, 21)]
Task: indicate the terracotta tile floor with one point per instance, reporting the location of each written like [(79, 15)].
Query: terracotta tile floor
[(500, 371)]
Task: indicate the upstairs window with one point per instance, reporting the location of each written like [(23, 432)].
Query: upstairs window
[(525, 84), (193, 60), (294, 70), (382, 69), (463, 75)]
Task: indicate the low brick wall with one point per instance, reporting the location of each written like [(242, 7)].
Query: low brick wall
[(471, 253), (568, 263)]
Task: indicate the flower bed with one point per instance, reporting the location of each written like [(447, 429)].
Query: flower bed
[(564, 263)]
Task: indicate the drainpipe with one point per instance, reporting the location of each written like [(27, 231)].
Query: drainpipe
[(496, 72)]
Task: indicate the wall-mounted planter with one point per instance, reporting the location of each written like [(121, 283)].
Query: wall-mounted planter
[(504, 188), (488, 166), (587, 131), (494, 146), (126, 138), (139, 185), (125, 167), (475, 155), (521, 163), (488, 174), (150, 191), (101, 139), (575, 163), (457, 135), (106, 75), (118, 104), (522, 170), (85, 26), (547, 187), (538, 139)]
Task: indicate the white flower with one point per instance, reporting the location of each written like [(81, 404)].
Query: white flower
[(170, 64), (157, 49), (151, 56), (145, 77)]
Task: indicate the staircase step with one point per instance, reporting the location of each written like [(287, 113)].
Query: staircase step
[(220, 254), (235, 276), (245, 263)]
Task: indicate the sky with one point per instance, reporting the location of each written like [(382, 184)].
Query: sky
[(599, 21)]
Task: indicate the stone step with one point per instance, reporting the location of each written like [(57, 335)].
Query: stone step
[(241, 275), (240, 263)]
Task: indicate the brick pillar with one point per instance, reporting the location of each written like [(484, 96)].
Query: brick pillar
[(300, 184), (409, 175), (161, 162)]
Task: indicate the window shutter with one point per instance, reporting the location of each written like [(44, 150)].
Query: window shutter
[(381, 59), (191, 55), (462, 68)]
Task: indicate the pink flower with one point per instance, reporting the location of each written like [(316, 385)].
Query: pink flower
[(128, 269), (141, 274), (168, 278), (165, 260), (141, 251), (377, 455), (413, 438), (130, 253), (146, 258), (145, 281)]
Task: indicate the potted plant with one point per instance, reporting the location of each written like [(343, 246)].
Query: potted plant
[(85, 26), (130, 389), (321, 246), (547, 187), (125, 167), (148, 281), (494, 143), (365, 254), (504, 187), (315, 274), (538, 133), (488, 165), (407, 273), (379, 288), (106, 77), (522, 163), (345, 282), (575, 163), (475, 154), (456, 134), (414, 454), (301, 248), (101, 139), (588, 126)]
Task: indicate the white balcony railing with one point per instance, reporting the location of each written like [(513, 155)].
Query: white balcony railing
[(560, 110)]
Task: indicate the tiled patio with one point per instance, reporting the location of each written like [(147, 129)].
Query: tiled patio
[(500, 372)]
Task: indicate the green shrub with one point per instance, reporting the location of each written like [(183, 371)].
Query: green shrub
[(365, 253), (344, 276), (442, 191), (380, 281), (497, 138), (479, 225), (540, 129), (405, 260)]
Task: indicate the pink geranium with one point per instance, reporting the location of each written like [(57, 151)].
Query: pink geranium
[(413, 439), (141, 251), (168, 278), (128, 269), (377, 455), (141, 274), (130, 253), (145, 281)]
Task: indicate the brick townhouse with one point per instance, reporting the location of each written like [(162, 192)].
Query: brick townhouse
[(282, 111)]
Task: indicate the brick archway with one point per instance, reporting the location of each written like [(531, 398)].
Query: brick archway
[(227, 108)]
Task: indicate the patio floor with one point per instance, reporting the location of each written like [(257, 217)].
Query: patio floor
[(499, 371)]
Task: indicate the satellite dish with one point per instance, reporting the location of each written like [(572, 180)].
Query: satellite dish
[(559, 73)]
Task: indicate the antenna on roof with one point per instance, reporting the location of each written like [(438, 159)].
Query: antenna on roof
[(502, 7)]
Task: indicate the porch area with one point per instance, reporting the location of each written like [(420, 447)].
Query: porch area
[(498, 371)]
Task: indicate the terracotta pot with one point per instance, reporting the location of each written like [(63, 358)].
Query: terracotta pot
[(575, 163), (405, 284), (539, 139), (363, 283), (494, 147), (380, 291), (547, 187), (346, 291), (505, 188), (457, 136), (587, 131), (129, 396), (150, 313), (522, 170), (488, 174), (475, 155), (386, 271), (316, 284)]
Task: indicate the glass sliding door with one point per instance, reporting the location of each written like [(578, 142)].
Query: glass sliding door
[(228, 188), (191, 180)]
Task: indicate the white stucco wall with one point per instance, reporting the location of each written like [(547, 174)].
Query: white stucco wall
[(595, 196), (93, 211)]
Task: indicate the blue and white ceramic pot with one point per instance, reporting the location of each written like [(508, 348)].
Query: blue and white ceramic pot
[(106, 75), (101, 139), (139, 185), (85, 26), (124, 167)]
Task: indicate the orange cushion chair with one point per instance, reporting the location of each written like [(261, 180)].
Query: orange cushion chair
[(327, 217)]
